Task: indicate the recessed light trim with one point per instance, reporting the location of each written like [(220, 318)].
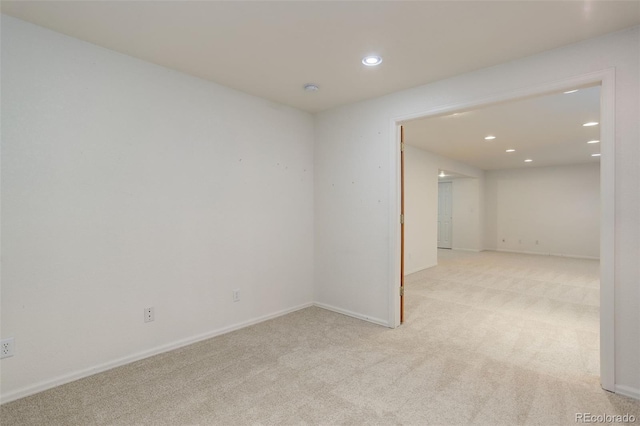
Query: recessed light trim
[(489, 138), (595, 155), (510, 150), (310, 87), (594, 141), (570, 91), (590, 124), (528, 160), (371, 60)]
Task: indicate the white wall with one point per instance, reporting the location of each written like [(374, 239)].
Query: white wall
[(468, 213), (421, 212), (127, 185), (545, 210), (355, 186), (548, 210), (421, 207)]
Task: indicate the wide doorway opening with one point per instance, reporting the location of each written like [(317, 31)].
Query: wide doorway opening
[(524, 270)]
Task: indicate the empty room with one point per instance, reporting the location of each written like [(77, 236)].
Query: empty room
[(205, 220), (494, 180)]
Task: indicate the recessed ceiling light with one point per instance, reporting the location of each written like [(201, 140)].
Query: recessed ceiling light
[(442, 174), (510, 150), (570, 91), (594, 141), (590, 123), (488, 138), (311, 87), (372, 61), (595, 155), (528, 160)]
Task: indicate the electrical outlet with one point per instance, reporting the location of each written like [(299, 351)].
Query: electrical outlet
[(148, 314), (236, 295), (6, 348)]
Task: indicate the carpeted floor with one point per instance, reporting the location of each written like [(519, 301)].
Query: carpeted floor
[(490, 338)]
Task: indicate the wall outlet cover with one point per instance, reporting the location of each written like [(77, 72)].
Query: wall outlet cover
[(6, 347), (149, 314)]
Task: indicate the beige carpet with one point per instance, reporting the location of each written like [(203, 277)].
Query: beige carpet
[(490, 339)]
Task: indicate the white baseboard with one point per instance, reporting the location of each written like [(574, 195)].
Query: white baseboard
[(422, 268), (466, 249), (539, 253), (628, 391), (352, 314), (575, 256), (80, 374)]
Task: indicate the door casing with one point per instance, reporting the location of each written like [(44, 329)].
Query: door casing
[(606, 79)]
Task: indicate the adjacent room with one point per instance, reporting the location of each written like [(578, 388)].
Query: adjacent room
[(532, 206), (523, 176), (202, 212)]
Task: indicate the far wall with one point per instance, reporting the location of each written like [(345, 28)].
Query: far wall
[(542, 210), (547, 210)]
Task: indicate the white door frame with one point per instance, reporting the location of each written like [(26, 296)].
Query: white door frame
[(606, 78)]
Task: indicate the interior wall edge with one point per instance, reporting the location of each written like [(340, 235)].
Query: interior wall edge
[(421, 268), (352, 314), (628, 391)]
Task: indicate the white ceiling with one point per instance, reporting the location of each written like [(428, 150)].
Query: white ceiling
[(271, 49), (547, 129)]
